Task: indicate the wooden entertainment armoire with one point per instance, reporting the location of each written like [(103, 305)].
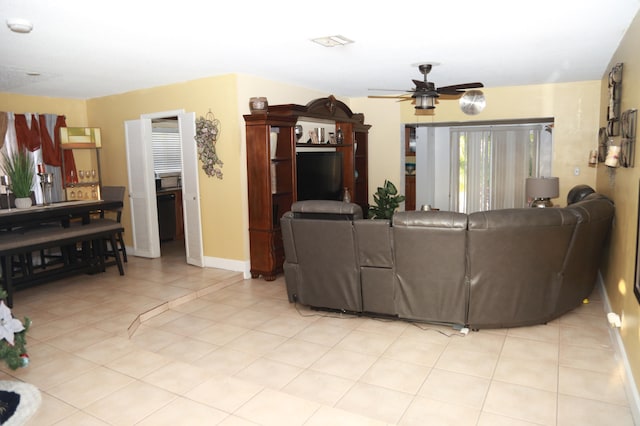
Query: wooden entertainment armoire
[(272, 176)]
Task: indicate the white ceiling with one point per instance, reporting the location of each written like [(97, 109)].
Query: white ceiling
[(85, 49)]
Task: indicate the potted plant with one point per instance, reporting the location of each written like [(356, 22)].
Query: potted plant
[(20, 168), (386, 201), (13, 337)]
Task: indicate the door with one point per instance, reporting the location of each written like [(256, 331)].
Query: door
[(190, 190), (142, 192)]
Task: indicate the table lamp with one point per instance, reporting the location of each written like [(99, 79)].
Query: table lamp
[(541, 190)]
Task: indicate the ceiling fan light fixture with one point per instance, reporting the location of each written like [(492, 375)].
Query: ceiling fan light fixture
[(425, 102)]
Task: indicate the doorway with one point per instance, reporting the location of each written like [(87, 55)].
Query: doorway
[(142, 186)]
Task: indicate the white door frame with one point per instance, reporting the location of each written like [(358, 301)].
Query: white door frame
[(193, 226)]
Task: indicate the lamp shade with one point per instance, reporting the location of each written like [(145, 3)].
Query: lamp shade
[(543, 187)]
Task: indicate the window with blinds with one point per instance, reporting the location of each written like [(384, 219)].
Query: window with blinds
[(165, 143)]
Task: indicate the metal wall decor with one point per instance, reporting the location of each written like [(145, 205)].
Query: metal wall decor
[(615, 95), (628, 121)]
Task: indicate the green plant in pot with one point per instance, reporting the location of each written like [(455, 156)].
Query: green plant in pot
[(20, 168), (386, 200)]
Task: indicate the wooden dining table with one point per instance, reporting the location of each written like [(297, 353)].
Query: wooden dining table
[(63, 212), (62, 225)]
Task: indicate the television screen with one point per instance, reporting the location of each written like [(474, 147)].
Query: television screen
[(319, 175)]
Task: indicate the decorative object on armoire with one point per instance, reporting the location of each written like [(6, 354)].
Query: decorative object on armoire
[(387, 200), (541, 190), (346, 195), (258, 105), (339, 136), (21, 170), (207, 130)]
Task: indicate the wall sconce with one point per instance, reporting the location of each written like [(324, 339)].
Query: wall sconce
[(542, 190)]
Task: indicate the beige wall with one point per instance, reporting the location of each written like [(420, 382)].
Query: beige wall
[(75, 110), (574, 106), (622, 186)]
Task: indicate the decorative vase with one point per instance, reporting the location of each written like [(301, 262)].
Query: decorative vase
[(23, 203), (346, 195), (258, 105)]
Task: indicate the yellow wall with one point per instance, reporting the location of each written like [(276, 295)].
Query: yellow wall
[(220, 199), (622, 187), (574, 106), (75, 110)]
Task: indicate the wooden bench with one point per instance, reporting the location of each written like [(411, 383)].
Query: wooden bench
[(90, 258)]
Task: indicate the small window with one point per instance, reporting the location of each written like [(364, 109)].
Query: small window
[(165, 140)]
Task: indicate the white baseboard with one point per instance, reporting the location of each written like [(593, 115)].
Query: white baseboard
[(243, 266), (630, 386)]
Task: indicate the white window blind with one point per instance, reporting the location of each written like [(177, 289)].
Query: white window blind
[(166, 150)]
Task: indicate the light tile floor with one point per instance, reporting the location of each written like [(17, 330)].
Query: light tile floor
[(214, 348)]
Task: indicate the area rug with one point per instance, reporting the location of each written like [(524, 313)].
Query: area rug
[(18, 402)]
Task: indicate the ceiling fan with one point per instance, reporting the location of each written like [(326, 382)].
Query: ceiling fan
[(425, 92)]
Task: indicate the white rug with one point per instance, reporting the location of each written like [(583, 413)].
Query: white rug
[(18, 402)]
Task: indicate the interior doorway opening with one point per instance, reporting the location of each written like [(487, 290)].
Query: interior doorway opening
[(166, 142), (142, 185)]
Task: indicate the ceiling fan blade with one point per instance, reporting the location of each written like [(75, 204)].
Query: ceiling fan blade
[(451, 96), (459, 88), (388, 97), (390, 90)]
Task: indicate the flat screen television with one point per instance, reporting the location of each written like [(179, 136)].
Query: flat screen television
[(319, 175)]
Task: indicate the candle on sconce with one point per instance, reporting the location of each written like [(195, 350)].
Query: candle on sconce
[(40, 168)]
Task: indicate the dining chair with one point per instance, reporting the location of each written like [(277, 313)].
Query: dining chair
[(114, 193)]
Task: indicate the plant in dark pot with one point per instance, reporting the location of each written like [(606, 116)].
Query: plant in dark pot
[(20, 168), (386, 200)]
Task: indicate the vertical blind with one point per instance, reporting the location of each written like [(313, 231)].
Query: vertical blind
[(489, 165)]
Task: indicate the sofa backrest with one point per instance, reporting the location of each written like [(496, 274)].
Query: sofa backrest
[(375, 255), (320, 253), (580, 271), (430, 264), (516, 258)]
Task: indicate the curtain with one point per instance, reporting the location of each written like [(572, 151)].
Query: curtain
[(490, 165), (4, 119), (39, 134)]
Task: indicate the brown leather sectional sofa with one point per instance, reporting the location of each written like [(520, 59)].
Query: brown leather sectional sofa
[(500, 268)]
